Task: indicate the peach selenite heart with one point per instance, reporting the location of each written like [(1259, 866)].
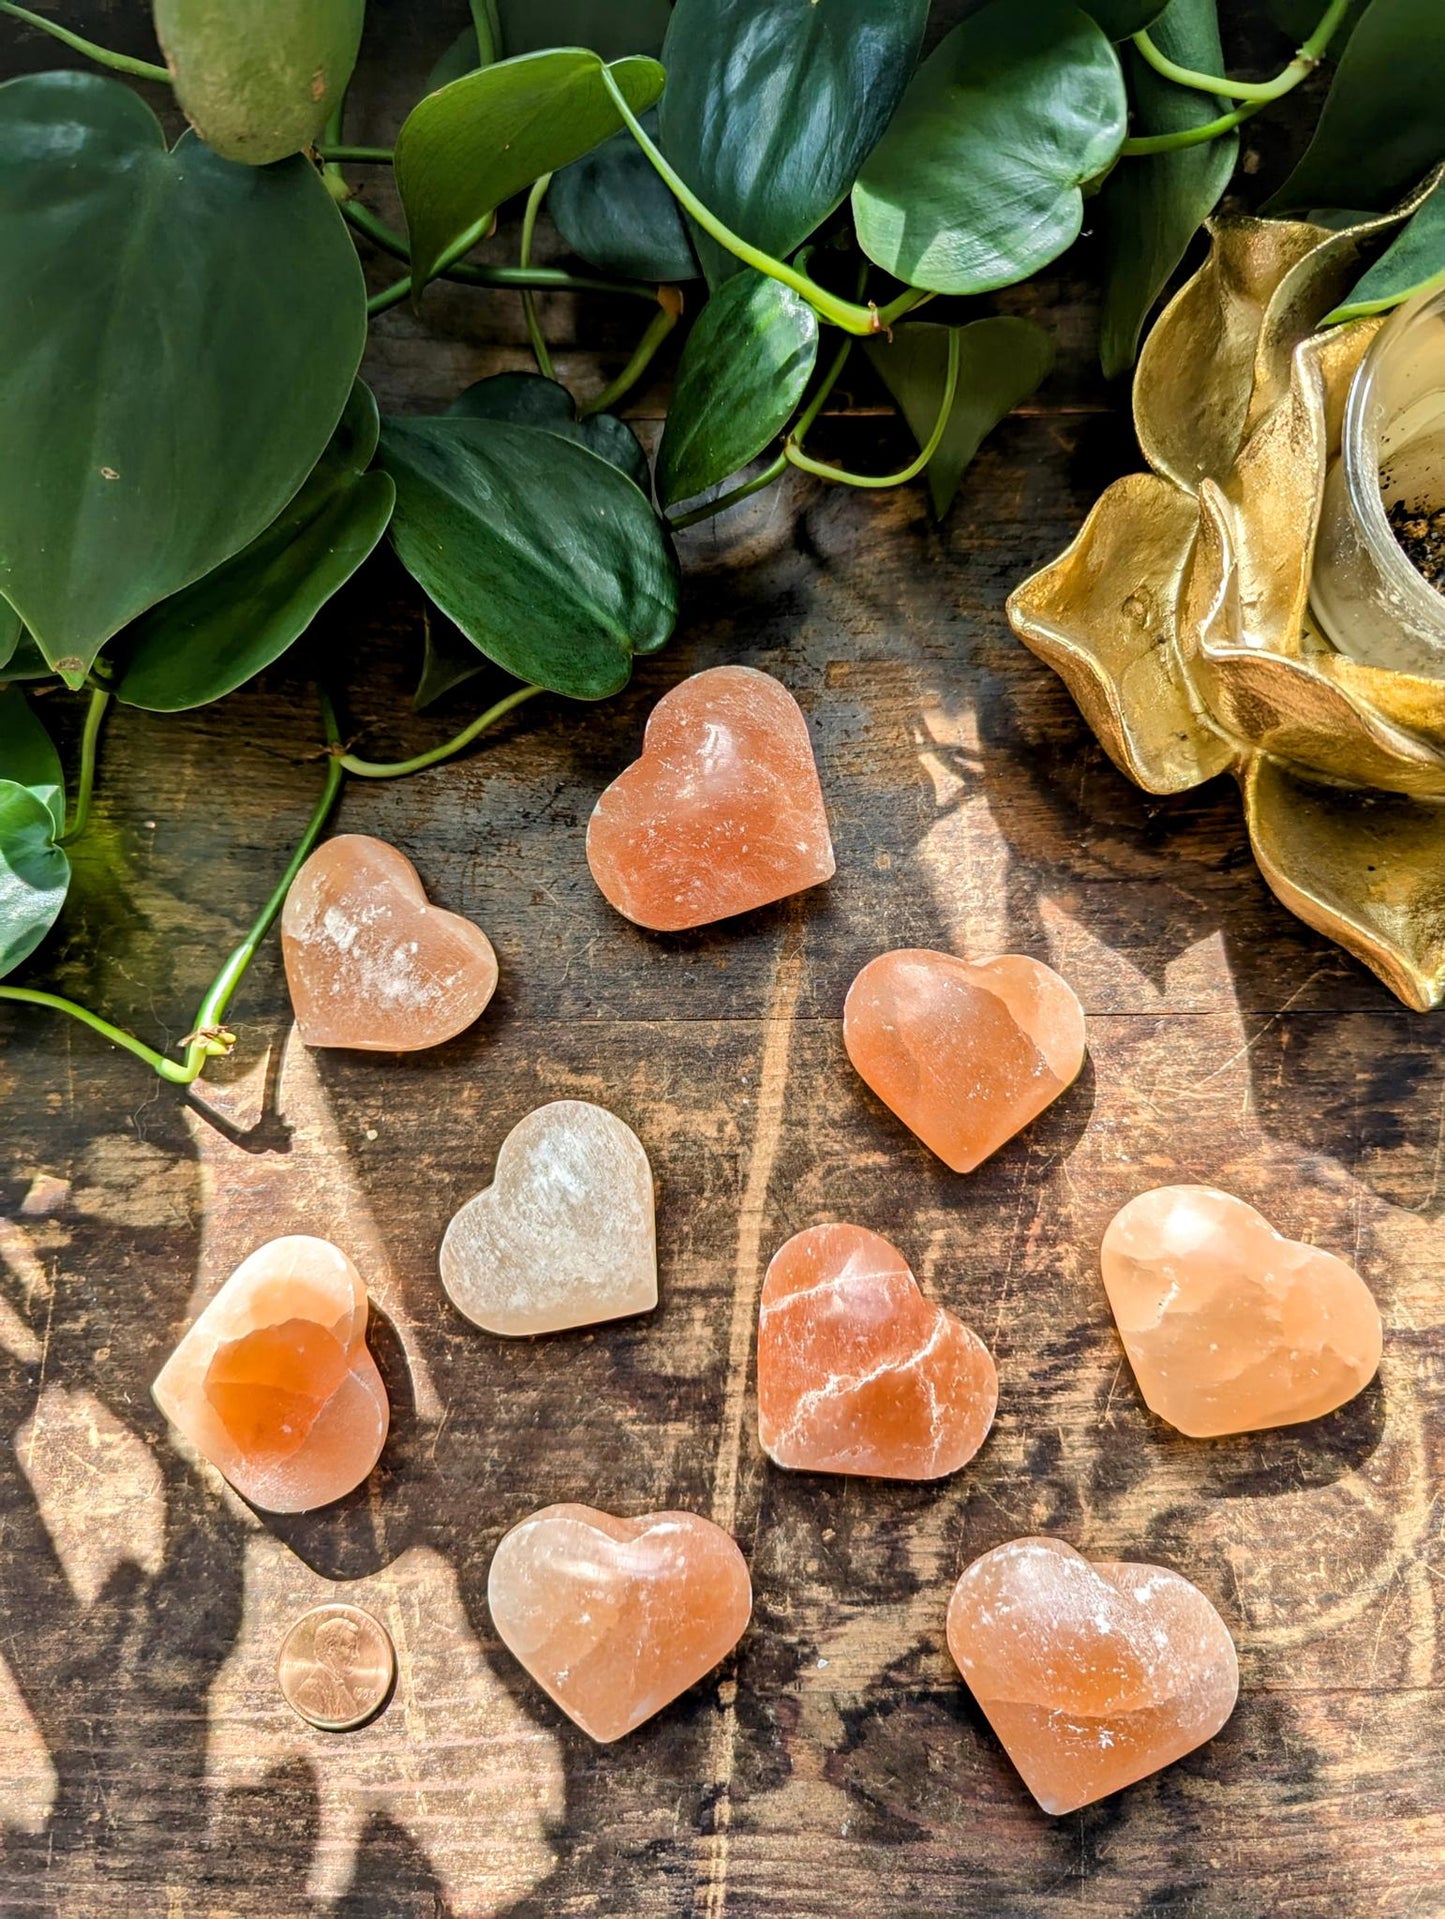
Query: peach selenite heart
[(370, 962), (1230, 1327), (723, 812), (565, 1234), (857, 1371), (964, 1052), (615, 1617), (274, 1383), (1093, 1676)]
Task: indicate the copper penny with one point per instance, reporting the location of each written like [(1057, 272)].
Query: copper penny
[(335, 1667)]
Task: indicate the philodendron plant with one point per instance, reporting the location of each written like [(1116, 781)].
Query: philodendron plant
[(796, 176)]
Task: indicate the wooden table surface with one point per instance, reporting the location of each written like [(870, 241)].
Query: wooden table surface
[(835, 1765)]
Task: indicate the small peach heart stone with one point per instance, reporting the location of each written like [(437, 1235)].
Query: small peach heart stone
[(371, 964), (274, 1383), (1093, 1676), (964, 1052), (857, 1371), (615, 1617), (1229, 1327), (722, 813), (565, 1234)]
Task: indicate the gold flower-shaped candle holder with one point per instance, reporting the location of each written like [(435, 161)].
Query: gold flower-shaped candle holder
[(1180, 617)]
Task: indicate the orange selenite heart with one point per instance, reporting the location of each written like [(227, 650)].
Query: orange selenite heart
[(274, 1383), (857, 1371), (1093, 1676), (965, 1053), (615, 1617), (370, 962), (722, 813), (1230, 1327)]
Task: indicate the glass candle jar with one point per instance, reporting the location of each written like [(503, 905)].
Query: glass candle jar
[(1366, 595)]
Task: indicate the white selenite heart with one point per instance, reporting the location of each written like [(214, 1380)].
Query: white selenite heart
[(565, 1234)]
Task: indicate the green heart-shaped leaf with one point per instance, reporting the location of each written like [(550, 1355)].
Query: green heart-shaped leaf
[(741, 374), (178, 335), (448, 659), (528, 400), (258, 79), (28, 754), (1153, 204), (611, 28), (212, 637), (612, 208), (1000, 362), (1381, 126), (34, 873), (27, 662), (976, 182), (772, 105), (1413, 262), (550, 561), (1122, 19), (463, 151), (11, 629)]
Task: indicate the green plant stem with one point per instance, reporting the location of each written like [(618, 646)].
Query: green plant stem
[(382, 156), (544, 279), (208, 1039), (85, 779), (1255, 95), (398, 769), (841, 313), (797, 457), (529, 304), (391, 296), (102, 56), (765, 476), (669, 312), (777, 466)]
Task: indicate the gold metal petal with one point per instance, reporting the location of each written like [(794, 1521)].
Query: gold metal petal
[(1277, 484), (1103, 615), (1312, 286), (1365, 869), (1408, 700), (1196, 369), (1286, 706)]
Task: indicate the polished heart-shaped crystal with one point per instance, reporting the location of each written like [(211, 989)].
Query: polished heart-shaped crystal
[(615, 1617), (565, 1234), (370, 962), (1092, 1675), (722, 813), (964, 1052), (857, 1371), (1230, 1327), (274, 1383)]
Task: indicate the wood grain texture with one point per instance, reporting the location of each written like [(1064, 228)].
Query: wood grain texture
[(835, 1765)]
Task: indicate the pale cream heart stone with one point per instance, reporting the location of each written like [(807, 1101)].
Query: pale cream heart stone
[(274, 1383), (565, 1235)]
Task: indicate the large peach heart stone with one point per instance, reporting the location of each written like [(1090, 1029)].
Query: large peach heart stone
[(274, 1383), (370, 962), (857, 1371), (1230, 1327), (1092, 1675), (615, 1617), (966, 1053), (722, 813)]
